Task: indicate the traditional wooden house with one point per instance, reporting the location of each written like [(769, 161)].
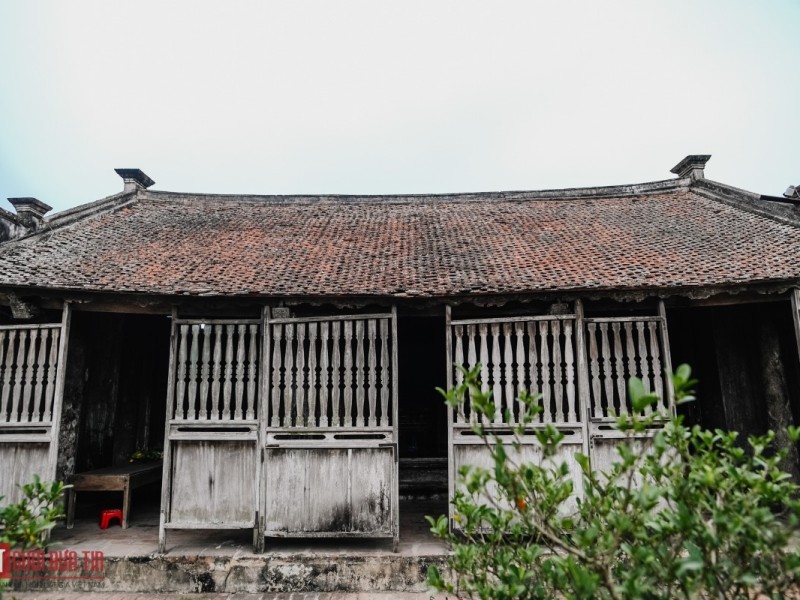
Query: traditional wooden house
[(283, 350)]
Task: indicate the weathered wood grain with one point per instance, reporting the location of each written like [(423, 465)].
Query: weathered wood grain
[(252, 376), (52, 368), (28, 376), (19, 376), (669, 396), (545, 363), (180, 411), (325, 478), (325, 378), (277, 364), (19, 462), (300, 396), (472, 360), (347, 372), (534, 368), (313, 375), (483, 332), (608, 373), (372, 370), (205, 373), (508, 374), (558, 382), (547, 370), (497, 392), (594, 369), (6, 361), (478, 455), (194, 354), (216, 371), (336, 375), (39, 399), (229, 412), (213, 483), (289, 379), (619, 369), (645, 362), (386, 374), (519, 357), (569, 370), (358, 386), (329, 490)]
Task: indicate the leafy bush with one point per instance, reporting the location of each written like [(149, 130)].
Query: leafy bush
[(145, 455), (697, 515), (26, 524)]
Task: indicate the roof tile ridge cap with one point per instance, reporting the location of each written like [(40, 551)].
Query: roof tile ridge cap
[(649, 188), (713, 185), (738, 198), (554, 193), (78, 214), (89, 208), (9, 215)]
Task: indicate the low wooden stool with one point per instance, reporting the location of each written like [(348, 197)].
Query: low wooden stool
[(113, 479)]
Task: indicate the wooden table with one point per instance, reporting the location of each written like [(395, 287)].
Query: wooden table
[(113, 479)]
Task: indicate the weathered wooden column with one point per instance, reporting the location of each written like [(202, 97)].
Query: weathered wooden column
[(776, 390)]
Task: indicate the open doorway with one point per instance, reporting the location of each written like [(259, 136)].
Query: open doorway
[(113, 416), (422, 421)]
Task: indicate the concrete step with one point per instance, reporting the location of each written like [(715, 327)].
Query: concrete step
[(238, 596), (305, 573)]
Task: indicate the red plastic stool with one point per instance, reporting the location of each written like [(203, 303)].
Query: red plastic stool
[(107, 515)]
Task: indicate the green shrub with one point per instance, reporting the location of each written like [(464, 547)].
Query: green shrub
[(697, 515), (27, 523)]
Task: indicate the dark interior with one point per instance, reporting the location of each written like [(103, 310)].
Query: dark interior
[(742, 356), (422, 362), (116, 386)]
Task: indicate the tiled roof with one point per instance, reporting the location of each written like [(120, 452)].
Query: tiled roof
[(640, 238)]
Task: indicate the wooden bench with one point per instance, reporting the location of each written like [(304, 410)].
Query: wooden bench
[(113, 479)]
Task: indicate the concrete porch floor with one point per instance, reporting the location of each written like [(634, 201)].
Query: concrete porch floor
[(224, 561), (141, 538)]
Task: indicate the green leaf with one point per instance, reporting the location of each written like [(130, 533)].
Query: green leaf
[(689, 565), (683, 372)]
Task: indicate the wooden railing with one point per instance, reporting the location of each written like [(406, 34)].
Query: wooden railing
[(621, 348), (332, 372), (217, 371), (28, 364), (535, 354)]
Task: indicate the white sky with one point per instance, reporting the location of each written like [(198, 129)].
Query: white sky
[(393, 97)]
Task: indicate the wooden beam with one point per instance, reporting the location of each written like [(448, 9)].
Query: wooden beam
[(395, 428), (729, 299), (584, 397), (166, 476), (58, 400), (796, 317), (666, 356)]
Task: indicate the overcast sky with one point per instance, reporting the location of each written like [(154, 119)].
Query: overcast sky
[(393, 97)]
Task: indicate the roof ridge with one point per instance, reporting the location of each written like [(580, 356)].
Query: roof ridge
[(551, 194), (74, 215), (84, 210), (743, 200)]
